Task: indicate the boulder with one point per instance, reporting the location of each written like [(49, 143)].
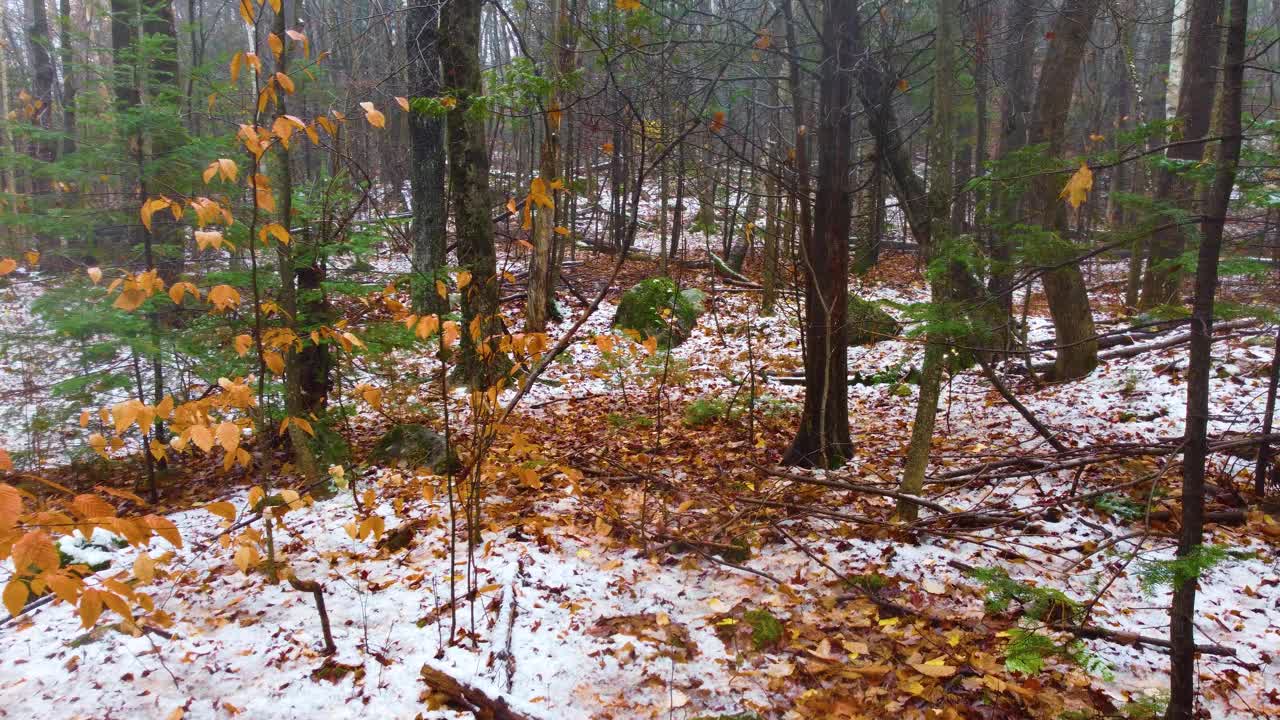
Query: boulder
[(655, 307), (868, 323), (414, 446)]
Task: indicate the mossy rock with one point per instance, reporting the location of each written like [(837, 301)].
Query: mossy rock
[(414, 446), (868, 323), (656, 307)]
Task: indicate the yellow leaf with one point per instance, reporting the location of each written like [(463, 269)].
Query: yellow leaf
[(222, 509), (165, 528), (227, 169), (403, 102), (628, 5), (274, 361), (930, 669), (15, 596), (10, 506), (538, 193), (99, 444), (304, 424), (202, 436), (32, 257), (242, 344), (144, 568), (275, 230), (553, 115), (464, 279), (285, 82), (35, 550), (90, 607), (224, 297), (246, 11), (1077, 188), (562, 230), (95, 274), (228, 435), (275, 43), (236, 61), (245, 556), (7, 265), (371, 113), (607, 148)]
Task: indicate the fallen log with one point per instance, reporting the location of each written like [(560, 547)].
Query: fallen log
[(1172, 341), (729, 273), (469, 697)]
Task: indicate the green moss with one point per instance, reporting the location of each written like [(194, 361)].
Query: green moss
[(868, 323), (766, 629), (656, 307)]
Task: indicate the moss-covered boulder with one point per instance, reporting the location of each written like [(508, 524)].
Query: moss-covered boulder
[(868, 323), (656, 307), (414, 446)]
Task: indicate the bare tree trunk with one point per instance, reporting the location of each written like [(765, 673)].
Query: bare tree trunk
[(481, 363), (42, 82), (68, 78), (1020, 28), (307, 370), (1063, 282), (823, 437), (1161, 282), (426, 142), (941, 198), (1182, 673), (542, 273)]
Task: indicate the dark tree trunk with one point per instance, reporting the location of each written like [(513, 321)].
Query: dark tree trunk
[(68, 78), (1063, 282), (823, 438), (307, 369), (1182, 674), (1020, 29), (481, 363), (1162, 279), (426, 142), (42, 82)]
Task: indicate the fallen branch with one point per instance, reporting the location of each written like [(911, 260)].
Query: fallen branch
[(723, 269), (1173, 341), (469, 697), (317, 590), (852, 487), (1122, 637)]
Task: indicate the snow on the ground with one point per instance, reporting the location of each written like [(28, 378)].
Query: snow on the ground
[(243, 647)]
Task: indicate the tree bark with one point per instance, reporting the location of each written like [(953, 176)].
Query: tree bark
[(1182, 672), (823, 438), (426, 143), (42, 82), (68, 78), (942, 129), (1162, 279), (542, 272), (1064, 284), (481, 363)]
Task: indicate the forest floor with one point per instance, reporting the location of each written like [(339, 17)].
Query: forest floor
[(640, 560)]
